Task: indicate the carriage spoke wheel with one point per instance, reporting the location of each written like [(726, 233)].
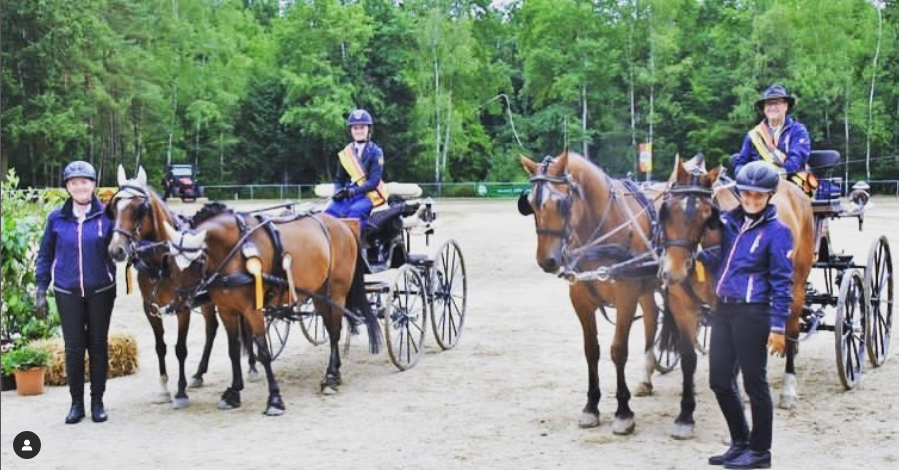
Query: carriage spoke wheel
[(450, 293), (879, 282), (704, 331), (405, 318), (311, 323), (277, 329), (849, 329), (666, 361)]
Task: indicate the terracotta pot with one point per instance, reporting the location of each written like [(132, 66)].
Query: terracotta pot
[(30, 382)]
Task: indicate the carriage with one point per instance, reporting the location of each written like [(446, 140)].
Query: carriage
[(404, 288), (855, 301)]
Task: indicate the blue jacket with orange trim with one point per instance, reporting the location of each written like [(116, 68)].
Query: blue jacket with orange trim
[(794, 142)]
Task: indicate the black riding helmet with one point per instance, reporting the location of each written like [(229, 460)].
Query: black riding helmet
[(759, 176)]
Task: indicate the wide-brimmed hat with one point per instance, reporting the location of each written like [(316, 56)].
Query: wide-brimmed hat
[(775, 92)]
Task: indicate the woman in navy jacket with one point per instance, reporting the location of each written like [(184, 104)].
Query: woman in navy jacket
[(74, 254), (754, 295)]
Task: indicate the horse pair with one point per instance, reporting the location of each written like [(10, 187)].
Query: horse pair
[(314, 256), (602, 234)]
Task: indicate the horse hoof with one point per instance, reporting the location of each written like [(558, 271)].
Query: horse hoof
[(329, 389), (588, 420), (275, 406), (162, 397), (643, 390), (180, 403), (623, 426), (226, 405), (252, 375), (682, 431), (196, 382), (787, 402)]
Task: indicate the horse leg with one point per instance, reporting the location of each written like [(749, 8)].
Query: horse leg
[(650, 324), (181, 400), (159, 334), (586, 313), (256, 322), (333, 322), (789, 395), (231, 396), (624, 417), (252, 373), (212, 325)]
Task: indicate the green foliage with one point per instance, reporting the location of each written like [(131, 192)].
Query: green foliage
[(25, 357), (23, 217)]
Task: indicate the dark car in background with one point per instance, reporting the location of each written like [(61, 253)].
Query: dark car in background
[(180, 181)]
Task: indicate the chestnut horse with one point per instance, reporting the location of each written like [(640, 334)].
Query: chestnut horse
[(301, 256), (689, 216), (588, 223), (139, 238)]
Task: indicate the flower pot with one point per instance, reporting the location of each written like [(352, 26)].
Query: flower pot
[(30, 382), (7, 382)]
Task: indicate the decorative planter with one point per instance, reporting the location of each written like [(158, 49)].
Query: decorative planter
[(30, 382), (7, 382)]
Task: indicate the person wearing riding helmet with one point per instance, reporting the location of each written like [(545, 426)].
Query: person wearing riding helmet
[(358, 187), (754, 279), (778, 139), (73, 254)]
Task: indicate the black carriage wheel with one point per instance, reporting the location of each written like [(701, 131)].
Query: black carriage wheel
[(879, 282), (666, 361), (450, 294), (312, 324), (277, 329), (405, 318), (849, 329)]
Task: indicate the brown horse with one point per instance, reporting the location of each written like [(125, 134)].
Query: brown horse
[(690, 216), (593, 227), (302, 256), (140, 239)]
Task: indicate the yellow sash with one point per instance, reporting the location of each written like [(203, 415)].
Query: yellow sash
[(353, 167), (765, 144)]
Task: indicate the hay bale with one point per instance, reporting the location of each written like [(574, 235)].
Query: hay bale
[(123, 358)]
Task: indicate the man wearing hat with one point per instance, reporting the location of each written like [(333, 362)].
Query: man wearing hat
[(779, 138)]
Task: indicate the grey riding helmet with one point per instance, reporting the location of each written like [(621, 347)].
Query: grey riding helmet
[(79, 169), (759, 176)]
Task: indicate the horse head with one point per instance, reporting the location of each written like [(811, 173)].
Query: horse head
[(686, 216), (131, 212), (552, 200), (187, 252)]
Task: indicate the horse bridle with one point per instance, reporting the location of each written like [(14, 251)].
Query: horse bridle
[(142, 211), (538, 181), (691, 247)]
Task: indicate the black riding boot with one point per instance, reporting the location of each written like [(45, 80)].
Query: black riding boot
[(98, 411), (735, 449), (750, 459), (76, 412)]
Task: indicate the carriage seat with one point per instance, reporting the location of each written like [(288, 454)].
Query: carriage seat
[(819, 161)]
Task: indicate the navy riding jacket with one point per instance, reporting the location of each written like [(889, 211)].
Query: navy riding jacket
[(372, 161), (76, 251), (754, 264), (794, 142)]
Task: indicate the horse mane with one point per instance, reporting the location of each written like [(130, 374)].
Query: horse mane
[(159, 212), (208, 211)]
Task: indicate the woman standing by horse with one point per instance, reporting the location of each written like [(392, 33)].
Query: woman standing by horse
[(753, 286), (73, 252)]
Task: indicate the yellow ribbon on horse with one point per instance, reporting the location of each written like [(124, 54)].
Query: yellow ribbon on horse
[(353, 167)]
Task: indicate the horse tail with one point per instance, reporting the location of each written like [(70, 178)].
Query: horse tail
[(669, 338), (358, 302), (245, 335)]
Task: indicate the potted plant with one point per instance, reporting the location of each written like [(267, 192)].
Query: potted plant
[(29, 363), (7, 379)]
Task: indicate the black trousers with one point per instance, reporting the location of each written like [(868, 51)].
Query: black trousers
[(85, 327), (739, 343)]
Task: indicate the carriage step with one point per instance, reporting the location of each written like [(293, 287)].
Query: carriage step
[(381, 287), (419, 260)]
